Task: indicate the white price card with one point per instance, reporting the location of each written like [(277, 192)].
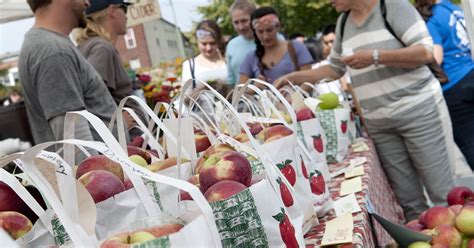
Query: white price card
[(346, 204), (338, 230), (353, 185), (357, 171)]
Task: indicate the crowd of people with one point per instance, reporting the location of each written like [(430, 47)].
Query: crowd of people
[(380, 47)]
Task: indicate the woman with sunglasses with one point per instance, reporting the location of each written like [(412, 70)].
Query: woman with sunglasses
[(106, 21), (273, 57)]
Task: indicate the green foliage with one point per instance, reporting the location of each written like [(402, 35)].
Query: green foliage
[(302, 16)]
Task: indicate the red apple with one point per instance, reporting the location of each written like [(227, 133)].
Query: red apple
[(241, 137), (230, 165), (223, 190), (415, 226), (209, 154), (465, 220), (455, 208), (133, 150), (272, 133), (137, 141), (421, 218), (470, 244), (101, 184), (459, 195), (15, 224), (304, 114), (255, 128), (127, 183), (439, 215), (194, 180), (99, 162), (446, 235), (202, 142), (164, 230), (439, 246), (165, 164), (9, 200)]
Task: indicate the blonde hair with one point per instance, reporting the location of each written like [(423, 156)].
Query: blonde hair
[(94, 27)]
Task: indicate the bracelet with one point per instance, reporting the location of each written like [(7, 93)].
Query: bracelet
[(376, 57)]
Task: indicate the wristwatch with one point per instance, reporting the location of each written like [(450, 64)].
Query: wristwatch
[(376, 57)]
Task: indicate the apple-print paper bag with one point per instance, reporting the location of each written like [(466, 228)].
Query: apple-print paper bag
[(335, 123)]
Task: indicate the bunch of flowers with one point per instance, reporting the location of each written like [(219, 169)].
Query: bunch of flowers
[(162, 83)]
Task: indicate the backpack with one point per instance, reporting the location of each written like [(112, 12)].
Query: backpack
[(433, 65)]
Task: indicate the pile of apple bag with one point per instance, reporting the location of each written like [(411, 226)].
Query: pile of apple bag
[(249, 170), (451, 226)]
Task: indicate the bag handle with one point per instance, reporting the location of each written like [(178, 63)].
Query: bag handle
[(112, 144), (266, 161), (20, 190), (75, 230), (77, 235)]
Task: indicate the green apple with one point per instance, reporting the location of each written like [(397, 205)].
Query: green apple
[(419, 244), (138, 160), (140, 237), (329, 101)]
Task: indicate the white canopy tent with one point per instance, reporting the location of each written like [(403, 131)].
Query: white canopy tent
[(11, 10)]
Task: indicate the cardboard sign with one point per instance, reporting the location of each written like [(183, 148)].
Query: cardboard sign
[(339, 230), (142, 11)]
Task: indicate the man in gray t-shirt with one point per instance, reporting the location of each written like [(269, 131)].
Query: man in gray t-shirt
[(55, 77)]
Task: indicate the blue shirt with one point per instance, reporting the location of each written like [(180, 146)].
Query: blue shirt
[(236, 51), (447, 27), (250, 65)]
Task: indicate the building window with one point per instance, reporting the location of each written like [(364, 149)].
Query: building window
[(157, 42), (172, 44), (135, 64), (130, 41)]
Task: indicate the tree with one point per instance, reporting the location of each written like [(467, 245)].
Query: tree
[(303, 16)]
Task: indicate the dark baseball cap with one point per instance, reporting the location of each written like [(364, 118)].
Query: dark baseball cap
[(97, 5)]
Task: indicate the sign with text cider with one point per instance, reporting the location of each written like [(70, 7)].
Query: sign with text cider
[(143, 11)]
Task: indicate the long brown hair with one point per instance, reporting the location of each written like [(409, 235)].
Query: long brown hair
[(425, 7)]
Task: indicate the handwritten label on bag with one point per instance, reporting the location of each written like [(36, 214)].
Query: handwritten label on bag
[(339, 230), (346, 204), (353, 185)]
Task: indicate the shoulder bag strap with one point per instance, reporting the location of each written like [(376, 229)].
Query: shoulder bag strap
[(292, 53)]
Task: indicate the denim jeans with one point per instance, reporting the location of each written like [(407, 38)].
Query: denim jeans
[(460, 101)]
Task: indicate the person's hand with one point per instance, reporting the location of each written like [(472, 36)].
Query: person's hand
[(359, 60), (281, 81)]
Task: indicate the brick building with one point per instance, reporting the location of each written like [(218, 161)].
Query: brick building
[(150, 43)]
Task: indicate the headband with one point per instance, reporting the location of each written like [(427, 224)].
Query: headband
[(201, 33), (270, 19)]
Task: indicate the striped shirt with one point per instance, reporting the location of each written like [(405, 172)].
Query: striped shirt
[(385, 92)]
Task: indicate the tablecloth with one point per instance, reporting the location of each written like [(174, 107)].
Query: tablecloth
[(376, 189)]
